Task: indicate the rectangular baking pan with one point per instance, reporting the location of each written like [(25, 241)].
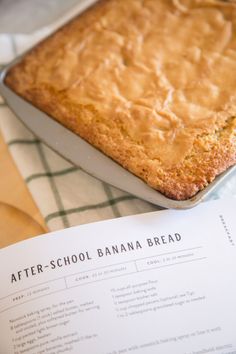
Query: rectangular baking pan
[(91, 160)]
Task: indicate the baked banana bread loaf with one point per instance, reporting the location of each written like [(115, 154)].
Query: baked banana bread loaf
[(151, 83)]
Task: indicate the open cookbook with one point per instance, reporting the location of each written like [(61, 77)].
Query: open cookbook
[(162, 282)]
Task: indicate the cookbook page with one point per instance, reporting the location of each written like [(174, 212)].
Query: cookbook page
[(162, 282)]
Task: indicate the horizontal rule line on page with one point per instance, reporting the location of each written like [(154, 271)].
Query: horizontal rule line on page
[(95, 281), (137, 271), (99, 280), (38, 297), (31, 287), (165, 254), (98, 268), (136, 260), (172, 264)]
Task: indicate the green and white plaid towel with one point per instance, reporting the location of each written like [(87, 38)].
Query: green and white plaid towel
[(65, 195)]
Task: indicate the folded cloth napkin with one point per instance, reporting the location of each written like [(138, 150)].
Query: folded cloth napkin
[(65, 194)]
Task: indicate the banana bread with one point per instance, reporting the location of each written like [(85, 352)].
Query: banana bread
[(151, 83)]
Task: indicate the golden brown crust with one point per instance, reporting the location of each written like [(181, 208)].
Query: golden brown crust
[(211, 151)]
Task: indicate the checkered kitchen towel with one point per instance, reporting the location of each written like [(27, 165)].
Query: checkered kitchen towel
[(65, 194)]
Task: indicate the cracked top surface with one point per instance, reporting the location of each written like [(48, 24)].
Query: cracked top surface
[(156, 75)]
